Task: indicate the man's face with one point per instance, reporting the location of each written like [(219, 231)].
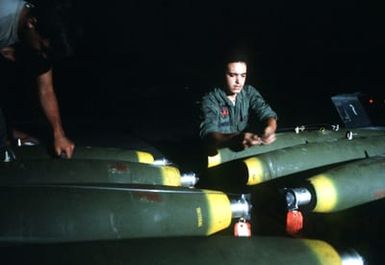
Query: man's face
[(235, 77)]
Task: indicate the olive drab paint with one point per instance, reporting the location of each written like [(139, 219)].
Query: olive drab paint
[(40, 171), (74, 213), (88, 152), (286, 139)]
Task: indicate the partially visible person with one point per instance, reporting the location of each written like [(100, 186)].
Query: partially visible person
[(3, 137), (236, 115), (25, 39)]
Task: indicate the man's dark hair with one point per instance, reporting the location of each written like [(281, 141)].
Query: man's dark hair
[(52, 23), (233, 57)]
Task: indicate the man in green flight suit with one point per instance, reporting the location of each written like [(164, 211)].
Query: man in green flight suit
[(232, 114)]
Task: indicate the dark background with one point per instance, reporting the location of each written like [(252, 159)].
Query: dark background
[(144, 65), (299, 51), (139, 68)]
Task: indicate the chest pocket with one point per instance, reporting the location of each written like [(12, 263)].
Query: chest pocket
[(242, 116)]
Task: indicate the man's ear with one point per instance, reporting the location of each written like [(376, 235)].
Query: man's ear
[(8, 53), (31, 23)]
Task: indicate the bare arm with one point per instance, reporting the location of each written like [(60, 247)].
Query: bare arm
[(51, 109)]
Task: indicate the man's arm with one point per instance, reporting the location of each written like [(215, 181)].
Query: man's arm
[(269, 133), (51, 109), (216, 140), (264, 113)]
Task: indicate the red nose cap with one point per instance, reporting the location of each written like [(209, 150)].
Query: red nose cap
[(242, 228), (294, 222)]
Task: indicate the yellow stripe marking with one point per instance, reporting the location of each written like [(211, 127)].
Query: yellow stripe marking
[(170, 176), (255, 170), (219, 210), (199, 217), (214, 160), (326, 193), (144, 157), (325, 253)]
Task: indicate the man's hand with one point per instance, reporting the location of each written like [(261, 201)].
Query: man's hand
[(269, 135), (64, 145), (250, 139), (51, 109)]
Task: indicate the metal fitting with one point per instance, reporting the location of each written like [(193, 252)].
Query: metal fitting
[(189, 179), (297, 197), (352, 257), (241, 208)]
